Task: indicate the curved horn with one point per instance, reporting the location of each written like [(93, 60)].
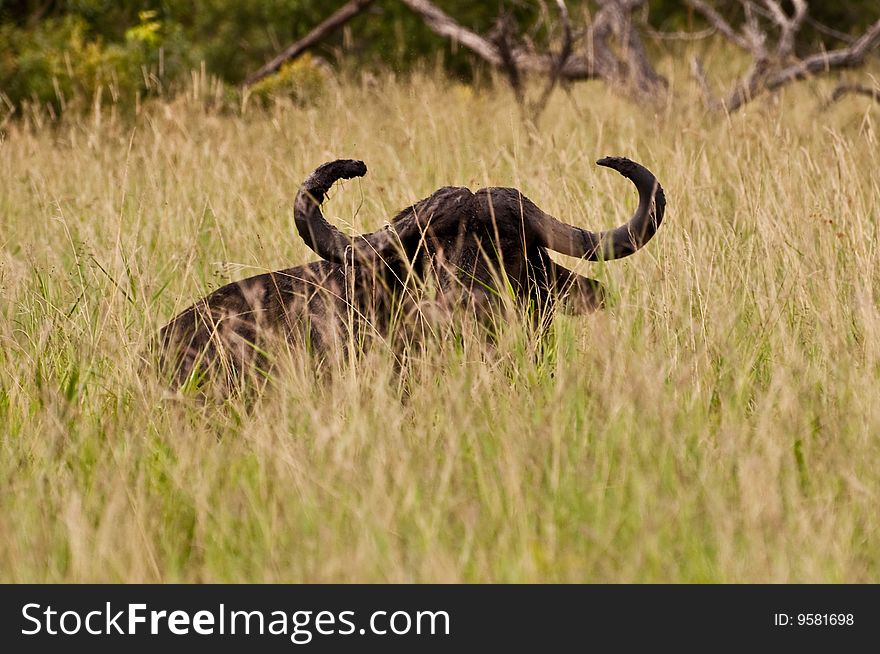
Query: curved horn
[(438, 211), (614, 243), (319, 235)]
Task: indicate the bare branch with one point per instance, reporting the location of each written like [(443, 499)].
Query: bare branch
[(770, 72), (719, 23), (341, 16), (753, 34), (823, 62), (560, 61), (680, 36), (829, 31), (445, 26), (844, 89), (501, 37), (648, 82), (616, 55), (567, 43), (629, 69), (699, 73), (789, 26), (628, 64), (776, 13)]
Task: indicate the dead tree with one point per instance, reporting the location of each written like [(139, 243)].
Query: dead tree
[(768, 34), (609, 48)]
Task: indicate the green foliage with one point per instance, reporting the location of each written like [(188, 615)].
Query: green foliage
[(59, 61), (147, 31), (234, 37), (301, 81)]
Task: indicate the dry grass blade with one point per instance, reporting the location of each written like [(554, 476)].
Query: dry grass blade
[(716, 422)]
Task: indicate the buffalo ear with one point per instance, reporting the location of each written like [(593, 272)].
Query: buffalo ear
[(576, 294), (584, 295)]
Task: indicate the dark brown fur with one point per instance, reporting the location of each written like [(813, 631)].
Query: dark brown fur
[(453, 250)]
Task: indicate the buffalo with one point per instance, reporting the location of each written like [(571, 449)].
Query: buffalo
[(452, 252)]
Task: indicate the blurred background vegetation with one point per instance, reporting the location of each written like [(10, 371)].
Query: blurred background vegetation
[(54, 53)]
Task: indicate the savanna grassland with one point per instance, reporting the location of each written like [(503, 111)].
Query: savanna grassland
[(718, 422)]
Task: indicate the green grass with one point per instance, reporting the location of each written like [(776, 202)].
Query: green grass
[(718, 422)]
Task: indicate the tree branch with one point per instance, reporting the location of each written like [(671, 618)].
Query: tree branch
[(600, 62), (501, 38), (719, 23), (823, 62), (559, 63), (699, 73), (770, 72), (860, 89), (443, 25), (341, 16), (680, 36), (789, 26)]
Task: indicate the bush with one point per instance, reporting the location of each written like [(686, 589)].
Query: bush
[(301, 81), (58, 62)]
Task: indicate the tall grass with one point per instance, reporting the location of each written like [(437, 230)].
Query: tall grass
[(719, 421)]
